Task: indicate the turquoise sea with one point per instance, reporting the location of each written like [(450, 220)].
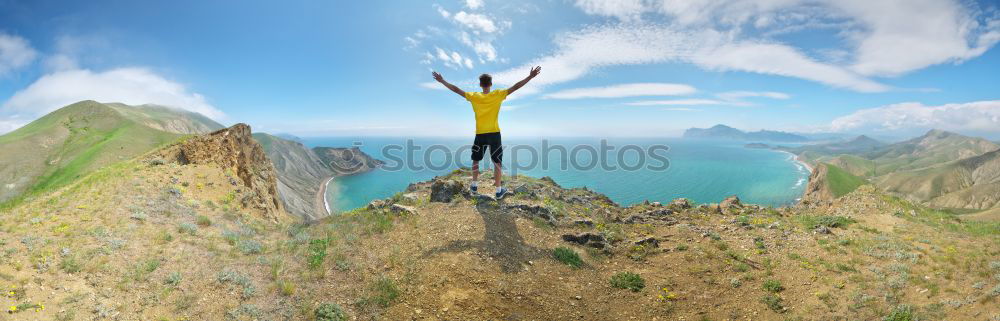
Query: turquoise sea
[(701, 170)]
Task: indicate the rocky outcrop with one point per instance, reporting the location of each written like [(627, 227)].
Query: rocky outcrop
[(731, 203), (234, 149), (444, 191), (818, 190), (346, 161)]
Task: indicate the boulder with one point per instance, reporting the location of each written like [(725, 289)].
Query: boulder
[(586, 239), (444, 191), (648, 242), (730, 203), (532, 210), (402, 209), (822, 230), (681, 203), (584, 221), (376, 204)]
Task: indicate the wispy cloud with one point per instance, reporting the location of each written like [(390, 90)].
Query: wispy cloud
[(625, 90), (15, 53), (676, 102), (134, 86), (972, 116), (735, 95)]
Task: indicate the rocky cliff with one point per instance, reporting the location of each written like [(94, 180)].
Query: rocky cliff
[(347, 161), (818, 190), (234, 150), (301, 175)]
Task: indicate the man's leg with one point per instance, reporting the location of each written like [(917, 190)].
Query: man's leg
[(497, 174), (475, 171)]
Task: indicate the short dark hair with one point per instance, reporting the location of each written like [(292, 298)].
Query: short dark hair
[(485, 80)]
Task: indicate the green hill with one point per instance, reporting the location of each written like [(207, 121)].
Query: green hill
[(970, 183), (842, 182), (77, 139)]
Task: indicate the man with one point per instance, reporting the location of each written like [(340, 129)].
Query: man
[(486, 105)]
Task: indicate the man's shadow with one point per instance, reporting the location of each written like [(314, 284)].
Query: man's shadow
[(501, 241)]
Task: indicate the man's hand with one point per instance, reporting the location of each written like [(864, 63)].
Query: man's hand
[(534, 72), (437, 76)]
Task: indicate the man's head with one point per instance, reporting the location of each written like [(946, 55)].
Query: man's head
[(485, 80)]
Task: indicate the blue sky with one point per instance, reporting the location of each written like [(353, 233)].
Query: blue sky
[(610, 68)]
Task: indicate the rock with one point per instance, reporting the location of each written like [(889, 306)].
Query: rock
[(730, 203), (657, 204), (649, 241), (402, 209), (661, 215), (681, 203), (412, 197), (533, 210), (444, 191), (587, 239), (376, 204), (549, 180), (822, 230), (584, 221)]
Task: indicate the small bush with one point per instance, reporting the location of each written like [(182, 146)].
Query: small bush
[(69, 265), (567, 256), (682, 247), (248, 246), (900, 313), (203, 220), (173, 279), (330, 312), (628, 281), (317, 252), (187, 228), (287, 288), (773, 286), (773, 302), (384, 292)]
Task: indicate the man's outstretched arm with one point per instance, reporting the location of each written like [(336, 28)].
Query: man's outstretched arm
[(453, 88), (534, 72)]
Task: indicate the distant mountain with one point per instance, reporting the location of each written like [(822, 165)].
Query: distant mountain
[(347, 161), (860, 144), (725, 132), (77, 139), (970, 183)]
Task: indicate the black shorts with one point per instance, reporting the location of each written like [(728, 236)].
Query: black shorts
[(491, 141)]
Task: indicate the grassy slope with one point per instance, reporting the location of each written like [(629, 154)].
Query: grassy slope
[(77, 139), (842, 182), (139, 250)]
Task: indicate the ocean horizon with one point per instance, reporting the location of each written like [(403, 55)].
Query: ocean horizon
[(703, 171)]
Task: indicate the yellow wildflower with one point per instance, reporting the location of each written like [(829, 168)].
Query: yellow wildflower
[(12, 309)]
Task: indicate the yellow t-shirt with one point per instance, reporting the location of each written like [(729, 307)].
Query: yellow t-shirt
[(487, 108)]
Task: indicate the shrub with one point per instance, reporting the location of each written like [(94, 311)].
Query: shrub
[(567, 256), (628, 280), (317, 252), (173, 279), (203, 220), (287, 288), (187, 228), (900, 313), (249, 246), (773, 302), (385, 292), (773, 286), (330, 312), (69, 265), (682, 247)]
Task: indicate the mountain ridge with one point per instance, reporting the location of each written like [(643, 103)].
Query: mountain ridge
[(721, 131)]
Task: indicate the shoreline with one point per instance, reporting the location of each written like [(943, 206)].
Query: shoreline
[(322, 191), (800, 161)]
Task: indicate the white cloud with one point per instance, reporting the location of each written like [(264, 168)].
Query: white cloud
[(432, 85), (475, 21), (735, 95), (631, 43), (474, 4), (677, 102), (15, 53), (884, 38), (8, 125), (681, 109), (442, 12), (624, 90), (981, 116), (452, 60), (133, 86)]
